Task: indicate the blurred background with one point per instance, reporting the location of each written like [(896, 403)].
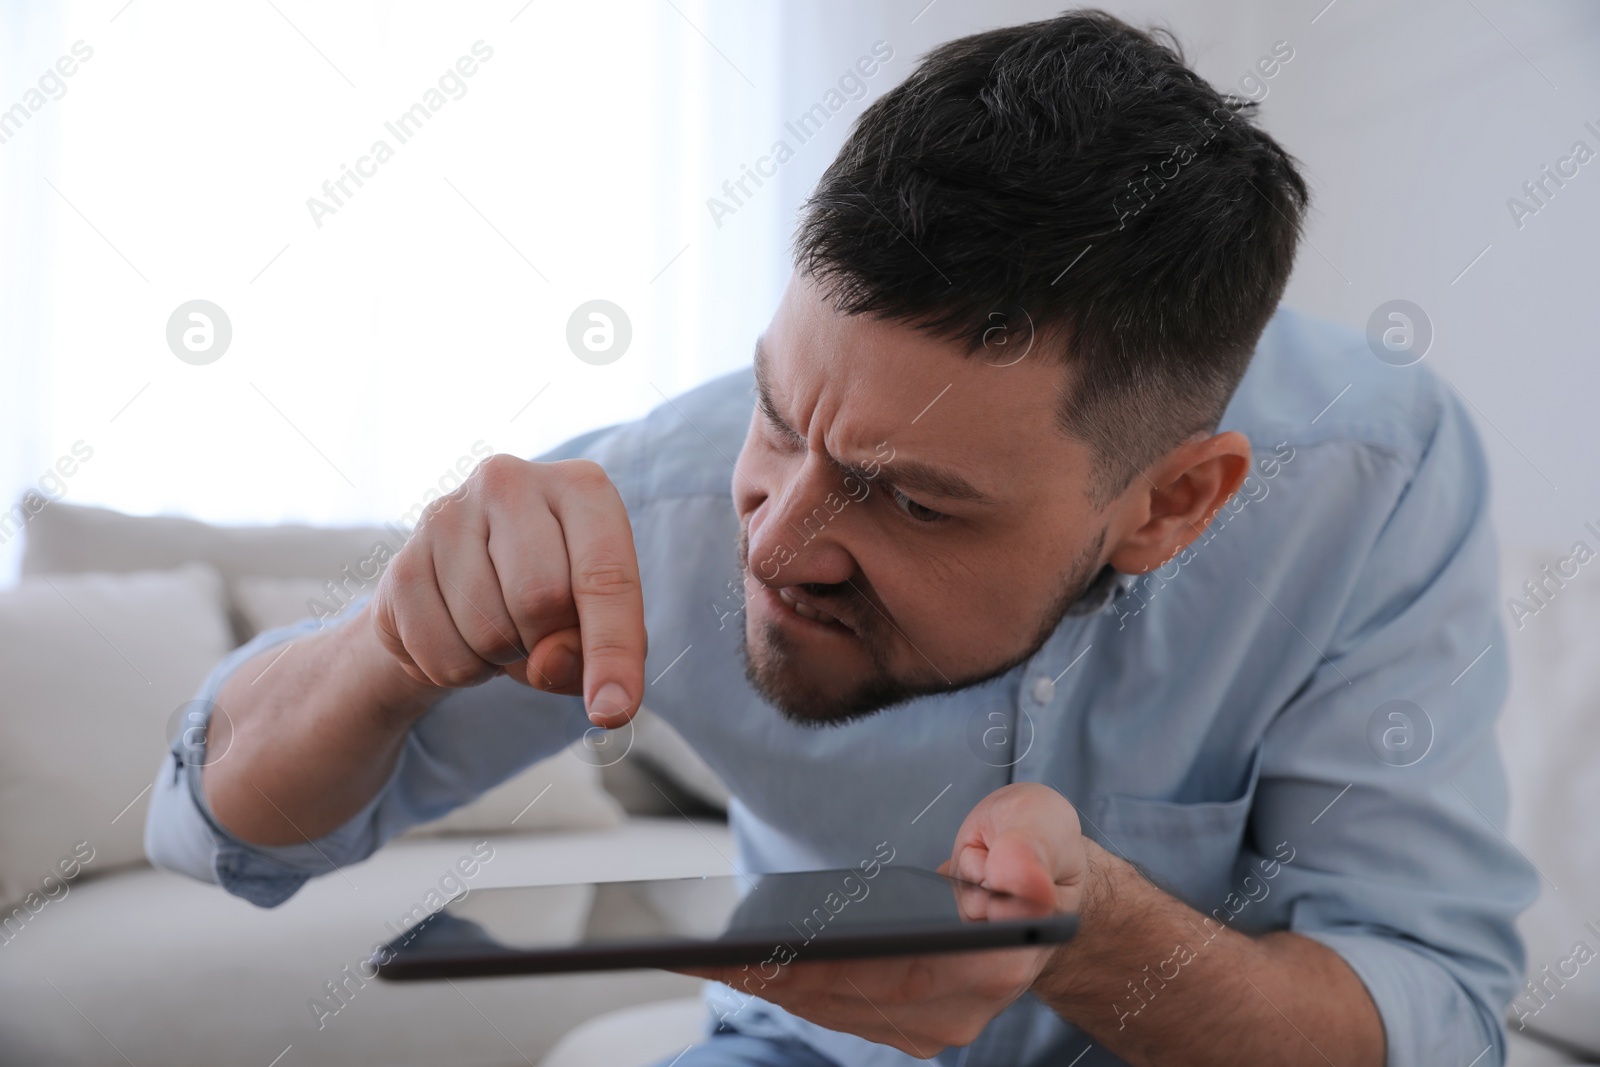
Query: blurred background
[(378, 339)]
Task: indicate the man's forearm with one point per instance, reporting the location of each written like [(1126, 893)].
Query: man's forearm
[(1155, 982), (294, 754)]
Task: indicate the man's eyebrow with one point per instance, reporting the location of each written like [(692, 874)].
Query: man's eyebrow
[(764, 393), (915, 475), (936, 481)]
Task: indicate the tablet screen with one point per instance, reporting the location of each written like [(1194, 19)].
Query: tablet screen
[(714, 921)]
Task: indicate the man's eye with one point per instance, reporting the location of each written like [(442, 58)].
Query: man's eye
[(783, 437), (914, 509)]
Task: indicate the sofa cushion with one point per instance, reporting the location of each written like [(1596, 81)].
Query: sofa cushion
[(181, 974), (633, 1037), (95, 667), (68, 538), (1550, 734), (266, 602)]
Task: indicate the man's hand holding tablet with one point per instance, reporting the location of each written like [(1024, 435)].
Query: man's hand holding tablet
[(1022, 841)]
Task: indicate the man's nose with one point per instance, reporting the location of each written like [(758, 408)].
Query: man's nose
[(797, 534)]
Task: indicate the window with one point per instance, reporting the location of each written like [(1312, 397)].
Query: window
[(397, 208)]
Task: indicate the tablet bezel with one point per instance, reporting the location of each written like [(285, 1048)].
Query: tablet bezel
[(402, 960)]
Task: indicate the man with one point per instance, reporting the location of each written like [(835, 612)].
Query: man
[(1085, 616)]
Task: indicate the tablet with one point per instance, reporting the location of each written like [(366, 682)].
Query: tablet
[(715, 921)]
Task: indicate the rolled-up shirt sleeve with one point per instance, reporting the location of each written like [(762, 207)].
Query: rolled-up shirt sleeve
[(470, 741), (1383, 781)]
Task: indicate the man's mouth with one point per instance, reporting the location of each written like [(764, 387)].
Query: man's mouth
[(810, 611)]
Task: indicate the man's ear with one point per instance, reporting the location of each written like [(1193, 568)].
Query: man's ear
[(1173, 502)]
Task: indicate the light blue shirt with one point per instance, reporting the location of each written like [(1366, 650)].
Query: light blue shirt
[(1228, 724)]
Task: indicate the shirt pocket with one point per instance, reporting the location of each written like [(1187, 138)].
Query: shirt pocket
[(1189, 849)]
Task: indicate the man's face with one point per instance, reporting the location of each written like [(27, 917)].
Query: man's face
[(912, 518)]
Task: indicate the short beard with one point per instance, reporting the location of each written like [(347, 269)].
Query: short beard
[(806, 705)]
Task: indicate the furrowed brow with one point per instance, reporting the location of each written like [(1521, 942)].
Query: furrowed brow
[(764, 396), (920, 477), (909, 474)]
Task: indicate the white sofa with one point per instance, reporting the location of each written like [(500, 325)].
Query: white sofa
[(107, 636)]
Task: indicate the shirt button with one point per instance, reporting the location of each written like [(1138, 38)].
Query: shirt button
[(1044, 690)]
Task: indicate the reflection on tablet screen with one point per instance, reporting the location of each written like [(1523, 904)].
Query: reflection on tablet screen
[(679, 922)]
